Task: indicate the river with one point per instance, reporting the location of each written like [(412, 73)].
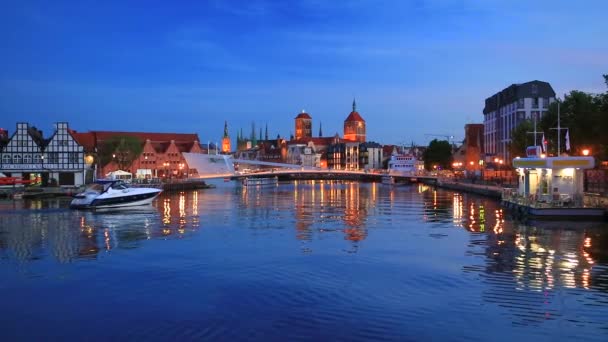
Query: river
[(302, 261)]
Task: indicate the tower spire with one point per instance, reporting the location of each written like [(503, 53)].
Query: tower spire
[(266, 134), (225, 129), (354, 105), (320, 130)]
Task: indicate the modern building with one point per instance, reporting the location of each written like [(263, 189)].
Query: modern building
[(370, 156), (58, 160), (506, 109), (354, 126)]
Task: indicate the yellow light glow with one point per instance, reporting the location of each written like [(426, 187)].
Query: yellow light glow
[(586, 152)]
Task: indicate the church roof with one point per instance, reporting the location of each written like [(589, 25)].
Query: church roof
[(303, 115), (354, 116)]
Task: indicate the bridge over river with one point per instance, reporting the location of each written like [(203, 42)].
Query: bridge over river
[(222, 166)]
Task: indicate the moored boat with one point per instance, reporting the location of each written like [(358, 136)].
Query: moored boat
[(113, 194)]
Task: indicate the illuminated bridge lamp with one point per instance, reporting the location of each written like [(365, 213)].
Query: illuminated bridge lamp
[(586, 152)]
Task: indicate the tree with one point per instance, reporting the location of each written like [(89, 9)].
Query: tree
[(122, 150), (521, 139), (438, 153), (581, 113)]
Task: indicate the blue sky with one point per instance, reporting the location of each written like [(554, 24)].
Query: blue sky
[(415, 67)]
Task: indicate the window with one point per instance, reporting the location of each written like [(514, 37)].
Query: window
[(17, 159), (520, 103), (73, 158), (37, 159), (6, 159), (535, 102), (546, 102), (53, 158), (27, 159)]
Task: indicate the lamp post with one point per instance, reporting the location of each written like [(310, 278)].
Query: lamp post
[(166, 165)]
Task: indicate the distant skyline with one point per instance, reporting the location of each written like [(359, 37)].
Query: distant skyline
[(414, 67)]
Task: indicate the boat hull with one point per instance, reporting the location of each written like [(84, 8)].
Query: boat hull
[(556, 212), (99, 202)]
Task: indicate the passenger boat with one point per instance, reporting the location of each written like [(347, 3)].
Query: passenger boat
[(403, 165), (111, 193), (259, 181), (552, 187)]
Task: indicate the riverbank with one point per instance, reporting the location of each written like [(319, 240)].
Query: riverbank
[(488, 190)]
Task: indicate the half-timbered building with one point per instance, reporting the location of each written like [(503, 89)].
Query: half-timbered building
[(58, 160)]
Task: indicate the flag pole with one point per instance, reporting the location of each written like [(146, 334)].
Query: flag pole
[(559, 132)]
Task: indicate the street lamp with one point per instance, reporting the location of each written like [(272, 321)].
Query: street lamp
[(166, 165), (586, 152)]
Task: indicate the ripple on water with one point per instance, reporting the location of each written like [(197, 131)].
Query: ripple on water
[(322, 261)]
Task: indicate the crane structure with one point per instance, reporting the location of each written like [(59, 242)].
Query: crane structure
[(446, 136), (449, 138)]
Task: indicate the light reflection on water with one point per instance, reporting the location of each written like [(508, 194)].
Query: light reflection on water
[(359, 261)]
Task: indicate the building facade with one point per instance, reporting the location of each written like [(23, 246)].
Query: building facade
[(226, 145), (506, 109), (354, 126), (303, 126), (370, 156), (59, 160), (161, 156)]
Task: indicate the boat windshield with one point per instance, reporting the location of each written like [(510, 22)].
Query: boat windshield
[(119, 185), (96, 187)]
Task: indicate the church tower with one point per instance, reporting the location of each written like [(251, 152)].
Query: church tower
[(354, 126), (303, 126), (226, 148)]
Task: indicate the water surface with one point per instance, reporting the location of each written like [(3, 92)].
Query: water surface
[(303, 261)]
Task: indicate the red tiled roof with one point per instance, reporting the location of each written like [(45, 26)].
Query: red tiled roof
[(303, 115), (354, 116), (86, 140), (318, 141), (388, 149), (160, 141)]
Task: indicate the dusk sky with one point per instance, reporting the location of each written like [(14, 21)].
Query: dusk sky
[(414, 67)]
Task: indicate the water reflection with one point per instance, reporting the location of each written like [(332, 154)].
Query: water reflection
[(30, 230), (267, 252)]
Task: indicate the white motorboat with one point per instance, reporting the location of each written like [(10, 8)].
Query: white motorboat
[(113, 194)]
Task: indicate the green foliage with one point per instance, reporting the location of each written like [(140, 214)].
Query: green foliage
[(438, 153), (521, 138), (122, 150), (586, 117)]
